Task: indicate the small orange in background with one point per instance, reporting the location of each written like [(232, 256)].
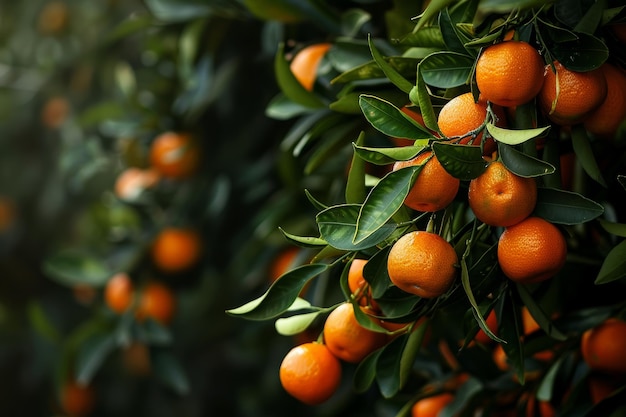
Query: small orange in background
[(415, 115), (603, 347), (175, 155), (500, 358), (55, 112), (606, 119), (133, 181), (358, 285), (492, 324), (156, 301), (119, 292), (535, 407), (431, 406), (567, 97), (346, 338), (77, 400), (136, 359), (498, 197), (509, 73), (531, 251), (422, 263), (434, 188), (306, 62), (176, 249), (283, 262), (53, 18), (310, 373)]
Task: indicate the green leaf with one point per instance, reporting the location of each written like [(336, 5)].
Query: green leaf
[(282, 108), (383, 201), (280, 295), (389, 367), (375, 273), (584, 154), (546, 386), (169, 370), (153, 333), (428, 37), (565, 207), (385, 156), (617, 229), (446, 69), (510, 327), (390, 120), (91, 355), (589, 22), (394, 76), (420, 96), (451, 36), (585, 53), (614, 265), (304, 241), (290, 86), (293, 325), (175, 10), (348, 103), (355, 185), (515, 136), (464, 162), (365, 373), (538, 314), (433, 8), (405, 66), (523, 165), (73, 267), (506, 6), (337, 226), (41, 322)]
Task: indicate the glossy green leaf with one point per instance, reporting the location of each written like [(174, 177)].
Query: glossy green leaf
[(390, 120), (389, 367), (280, 295), (547, 384), (92, 354), (304, 241), (293, 325), (523, 165), (282, 108), (337, 226), (375, 273), (451, 37), (290, 86), (365, 320), (565, 207), (585, 155), (617, 229), (349, 102), (614, 265), (384, 200), (431, 11), (73, 267), (420, 96), (461, 161), (446, 69), (365, 373), (427, 37), (585, 53), (169, 370), (355, 185), (404, 66), (390, 72), (515, 137), (318, 205), (385, 156)]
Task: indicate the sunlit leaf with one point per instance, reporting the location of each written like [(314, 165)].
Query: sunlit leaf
[(355, 185), (390, 120), (431, 11), (385, 156), (293, 325), (513, 136), (304, 241), (617, 229), (446, 69), (566, 207)]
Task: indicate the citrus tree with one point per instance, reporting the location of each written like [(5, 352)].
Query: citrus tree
[(463, 164)]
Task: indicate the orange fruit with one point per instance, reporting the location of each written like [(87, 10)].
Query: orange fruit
[(434, 188), (498, 197), (603, 347), (531, 251), (509, 73), (176, 249), (133, 181), (136, 359), (492, 324), (431, 406), (53, 18), (310, 373), (566, 97), (606, 119), (175, 155), (422, 263), (306, 62), (461, 117), (55, 112), (156, 301), (7, 213), (77, 400), (601, 386), (358, 285), (283, 262), (500, 358), (119, 292), (539, 408), (346, 338)]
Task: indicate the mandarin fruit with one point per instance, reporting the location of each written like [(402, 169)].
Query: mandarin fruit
[(175, 155), (509, 73), (283, 262), (119, 292), (176, 249), (492, 324), (310, 373), (498, 197), (422, 263), (603, 347), (156, 301), (357, 283), (531, 251), (434, 188), (306, 62), (346, 338), (431, 406), (566, 96), (77, 400), (606, 119)]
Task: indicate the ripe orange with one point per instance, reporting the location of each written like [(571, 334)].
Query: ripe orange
[(156, 301), (434, 188), (498, 197), (175, 155), (346, 338), (604, 347), (531, 251), (422, 263), (535, 407), (77, 400), (605, 120), (509, 73), (55, 112), (492, 324), (53, 18), (283, 262), (7, 213), (119, 292), (306, 62), (310, 373), (176, 249), (136, 359), (358, 285), (431, 406), (500, 358), (133, 181), (566, 97)]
